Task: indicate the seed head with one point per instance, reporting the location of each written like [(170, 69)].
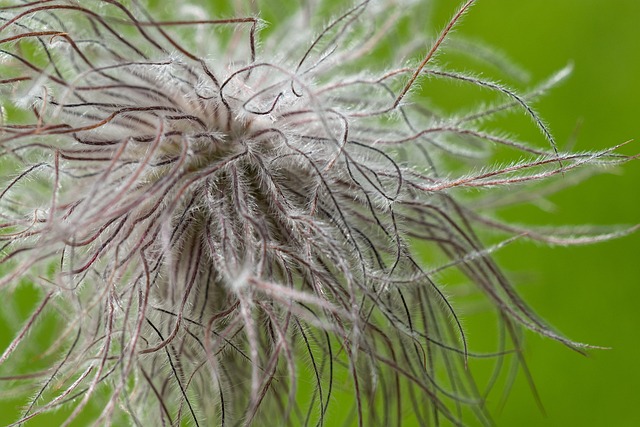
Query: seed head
[(227, 231)]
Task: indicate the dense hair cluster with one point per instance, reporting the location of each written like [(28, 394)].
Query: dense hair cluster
[(225, 229)]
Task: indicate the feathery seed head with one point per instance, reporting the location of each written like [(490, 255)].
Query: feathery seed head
[(219, 223)]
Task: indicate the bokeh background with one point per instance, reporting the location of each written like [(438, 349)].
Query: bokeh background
[(592, 293), (589, 293)]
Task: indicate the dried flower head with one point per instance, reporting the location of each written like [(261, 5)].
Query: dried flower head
[(224, 232)]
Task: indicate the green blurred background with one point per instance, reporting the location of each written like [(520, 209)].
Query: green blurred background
[(589, 293)]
